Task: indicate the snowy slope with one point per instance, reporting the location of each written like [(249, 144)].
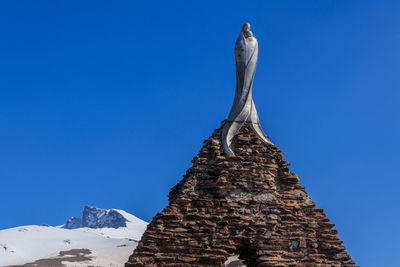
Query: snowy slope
[(79, 246), (24, 244)]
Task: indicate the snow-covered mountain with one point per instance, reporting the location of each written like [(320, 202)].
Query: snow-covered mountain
[(100, 238)]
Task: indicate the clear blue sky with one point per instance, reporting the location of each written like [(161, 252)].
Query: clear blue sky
[(105, 103)]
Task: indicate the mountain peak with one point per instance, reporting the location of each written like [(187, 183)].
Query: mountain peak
[(73, 223), (98, 218)]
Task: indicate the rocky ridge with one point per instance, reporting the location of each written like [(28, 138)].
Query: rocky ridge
[(97, 218)]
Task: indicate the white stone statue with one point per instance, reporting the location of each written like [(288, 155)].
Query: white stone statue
[(243, 108)]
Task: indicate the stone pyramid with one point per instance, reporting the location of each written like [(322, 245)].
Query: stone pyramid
[(249, 204), (240, 198)]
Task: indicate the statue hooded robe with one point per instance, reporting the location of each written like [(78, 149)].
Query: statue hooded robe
[(243, 108)]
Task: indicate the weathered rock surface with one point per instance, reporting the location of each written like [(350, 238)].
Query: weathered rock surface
[(249, 204), (73, 223), (97, 218)]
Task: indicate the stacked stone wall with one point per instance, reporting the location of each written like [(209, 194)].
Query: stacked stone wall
[(249, 204)]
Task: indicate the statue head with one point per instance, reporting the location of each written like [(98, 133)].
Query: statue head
[(246, 30)]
